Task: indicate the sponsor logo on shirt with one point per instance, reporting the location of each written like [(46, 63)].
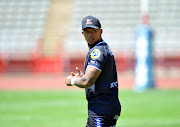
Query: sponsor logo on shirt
[(95, 53), (93, 62), (114, 84)]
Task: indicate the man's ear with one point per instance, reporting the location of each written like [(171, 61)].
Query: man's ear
[(82, 32), (101, 31)]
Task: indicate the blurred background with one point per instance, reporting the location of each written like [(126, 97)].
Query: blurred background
[(41, 39), (41, 43)]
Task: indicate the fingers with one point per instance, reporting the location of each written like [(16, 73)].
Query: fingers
[(68, 80), (72, 74), (78, 71), (77, 68), (78, 75)]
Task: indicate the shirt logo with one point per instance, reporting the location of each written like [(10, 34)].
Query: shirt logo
[(114, 84), (95, 53), (88, 21)]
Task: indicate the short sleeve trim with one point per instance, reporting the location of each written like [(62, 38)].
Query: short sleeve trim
[(95, 67)]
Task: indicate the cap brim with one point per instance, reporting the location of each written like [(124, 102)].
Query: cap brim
[(88, 26)]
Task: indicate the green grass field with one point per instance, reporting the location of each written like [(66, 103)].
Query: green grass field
[(155, 108)]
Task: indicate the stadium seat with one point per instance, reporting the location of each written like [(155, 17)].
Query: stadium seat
[(22, 23), (119, 21)]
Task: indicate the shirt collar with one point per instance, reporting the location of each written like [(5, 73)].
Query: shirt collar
[(91, 46)]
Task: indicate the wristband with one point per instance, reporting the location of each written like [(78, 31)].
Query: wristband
[(72, 81)]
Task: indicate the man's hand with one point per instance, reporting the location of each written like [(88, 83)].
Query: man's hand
[(68, 80), (83, 80), (79, 73)]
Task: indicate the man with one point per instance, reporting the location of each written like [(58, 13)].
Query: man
[(99, 78)]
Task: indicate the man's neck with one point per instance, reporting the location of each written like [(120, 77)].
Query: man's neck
[(91, 46)]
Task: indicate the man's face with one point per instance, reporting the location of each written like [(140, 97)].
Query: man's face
[(92, 35)]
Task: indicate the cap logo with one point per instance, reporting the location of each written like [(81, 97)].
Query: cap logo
[(88, 21)]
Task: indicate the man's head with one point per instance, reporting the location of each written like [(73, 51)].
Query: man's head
[(90, 22), (91, 29)]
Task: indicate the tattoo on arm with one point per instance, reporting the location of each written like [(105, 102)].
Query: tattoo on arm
[(89, 78)]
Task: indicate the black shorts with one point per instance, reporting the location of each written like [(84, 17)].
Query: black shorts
[(102, 120)]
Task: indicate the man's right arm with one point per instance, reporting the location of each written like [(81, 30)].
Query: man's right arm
[(87, 80)]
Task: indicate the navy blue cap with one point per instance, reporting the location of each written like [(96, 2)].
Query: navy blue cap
[(90, 22)]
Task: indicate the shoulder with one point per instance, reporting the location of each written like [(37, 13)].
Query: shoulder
[(104, 47), (101, 45)]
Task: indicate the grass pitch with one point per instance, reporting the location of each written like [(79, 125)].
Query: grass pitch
[(155, 108)]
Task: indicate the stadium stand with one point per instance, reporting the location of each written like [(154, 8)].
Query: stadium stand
[(30, 28), (21, 28), (165, 19), (56, 26), (120, 20)]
